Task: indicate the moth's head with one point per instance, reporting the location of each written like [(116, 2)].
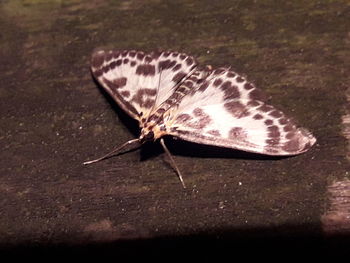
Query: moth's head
[(152, 133), (146, 136)]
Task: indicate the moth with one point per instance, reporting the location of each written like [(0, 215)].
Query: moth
[(169, 94)]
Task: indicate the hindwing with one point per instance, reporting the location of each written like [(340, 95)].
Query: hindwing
[(226, 110)]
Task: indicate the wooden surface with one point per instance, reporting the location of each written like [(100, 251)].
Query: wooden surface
[(54, 117)]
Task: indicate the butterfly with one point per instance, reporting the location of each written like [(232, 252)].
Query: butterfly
[(169, 94)]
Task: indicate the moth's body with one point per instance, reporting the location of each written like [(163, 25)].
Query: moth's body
[(153, 130), (169, 95), (159, 120)]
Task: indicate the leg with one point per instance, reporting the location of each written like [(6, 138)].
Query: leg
[(172, 161), (117, 149)]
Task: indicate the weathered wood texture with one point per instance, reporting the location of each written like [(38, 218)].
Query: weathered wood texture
[(54, 117)]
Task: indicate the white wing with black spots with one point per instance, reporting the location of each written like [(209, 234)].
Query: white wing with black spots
[(228, 111), (169, 95), (139, 82)]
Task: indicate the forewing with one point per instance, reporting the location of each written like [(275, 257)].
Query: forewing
[(137, 81), (226, 110), (173, 68)]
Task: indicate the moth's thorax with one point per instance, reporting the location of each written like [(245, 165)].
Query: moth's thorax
[(152, 133), (153, 128)]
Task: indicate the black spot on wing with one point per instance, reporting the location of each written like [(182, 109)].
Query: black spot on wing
[(140, 55), (189, 61), (183, 117), (203, 86), (214, 132), (219, 71), (217, 82), (115, 83), (177, 67), (258, 116), (166, 64), (132, 53), (145, 98), (237, 109), (237, 133), (256, 94), (248, 86), (179, 76), (273, 132), (146, 70), (231, 91)]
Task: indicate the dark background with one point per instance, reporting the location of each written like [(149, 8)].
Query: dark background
[(54, 117)]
